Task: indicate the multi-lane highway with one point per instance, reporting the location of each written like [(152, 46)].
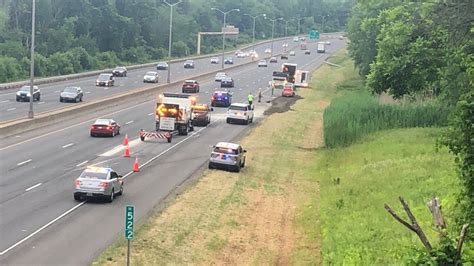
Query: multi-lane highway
[(10, 109), (40, 222)]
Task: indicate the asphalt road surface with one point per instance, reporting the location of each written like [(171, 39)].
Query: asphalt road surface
[(11, 109), (40, 222)]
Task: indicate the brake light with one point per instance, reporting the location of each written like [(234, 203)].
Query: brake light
[(109, 127), (78, 182), (92, 127), (103, 184), (233, 158)]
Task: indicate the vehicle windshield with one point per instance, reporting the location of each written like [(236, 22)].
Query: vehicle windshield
[(119, 68), (189, 62), (225, 150), (104, 77), (102, 122), (25, 88), (162, 63), (238, 108), (151, 73), (93, 175), (226, 79), (189, 81), (70, 89)]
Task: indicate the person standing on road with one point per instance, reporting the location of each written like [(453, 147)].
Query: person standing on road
[(250, 99), (259, 95)]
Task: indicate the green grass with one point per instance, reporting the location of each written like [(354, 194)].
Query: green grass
[(356, 229), (357, 113)]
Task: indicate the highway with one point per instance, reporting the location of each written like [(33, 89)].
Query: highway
[(10, 109), (41, 223)]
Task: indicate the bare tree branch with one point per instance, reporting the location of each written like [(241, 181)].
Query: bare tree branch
[(414, 223), (392, 212), (461, 240)]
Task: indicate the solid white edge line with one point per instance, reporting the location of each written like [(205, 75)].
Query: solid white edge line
[(129, 122), (22, 163), (67, 145), (32, 187), (41, 228), (11, 109), (84, 162), (150, 114)]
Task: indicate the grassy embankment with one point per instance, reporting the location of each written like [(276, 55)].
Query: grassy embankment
[(285, 206)]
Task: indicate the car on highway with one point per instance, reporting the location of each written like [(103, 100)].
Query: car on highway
[(295, 39), (190, 86), (262, 63), (302, 39), (285, 45), (328, 43), (105, 80), (292, 53), (151, 77), (284, 56), (307, 52), (219, 76), (98, 182), (229, 61), (215, 60), (189, 64), (268, 51), (119, 72), (162, 66), (227, 82), (105, 127), (273, 59), (288, 90), (71, 94), (221, 98), (202, 114), (23, 94), (226, 155), (241, 55), (240, 113)]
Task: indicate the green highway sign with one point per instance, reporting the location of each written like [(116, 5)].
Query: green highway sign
[(129, 215), (314, 34)]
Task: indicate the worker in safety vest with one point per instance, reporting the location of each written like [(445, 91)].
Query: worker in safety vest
[(250, 99)]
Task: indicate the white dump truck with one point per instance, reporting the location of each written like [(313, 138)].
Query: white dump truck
[(174, 112)]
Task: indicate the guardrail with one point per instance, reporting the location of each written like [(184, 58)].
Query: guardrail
[(12, 85)]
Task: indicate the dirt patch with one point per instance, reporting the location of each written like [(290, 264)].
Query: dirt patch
[(282, 104)]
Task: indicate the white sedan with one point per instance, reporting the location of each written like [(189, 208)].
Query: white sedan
[(262, 63), (268, 51)]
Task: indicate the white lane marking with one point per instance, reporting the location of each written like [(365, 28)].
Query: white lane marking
[(5, 101), (129, 122), (11, 109), (80, 164), (106, 88), (118, 149), (33, 187), (24, 162), (18, 136), (42, 228), (67, 145), (40, 103), (150, 114), (87, 92), (57, 91)]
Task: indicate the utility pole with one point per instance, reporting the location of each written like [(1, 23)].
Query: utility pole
[(169, 38)]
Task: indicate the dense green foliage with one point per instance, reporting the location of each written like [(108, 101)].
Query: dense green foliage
[(423, 49), (78, 35), (356, 114)]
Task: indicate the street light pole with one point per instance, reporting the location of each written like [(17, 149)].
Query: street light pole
[(286, 25), (322, 22), (223, 30), (273, 29), (32, 66), (169, 38), (254, 19)]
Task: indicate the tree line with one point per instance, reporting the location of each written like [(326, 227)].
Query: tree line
[(78, 35), (418, 50)]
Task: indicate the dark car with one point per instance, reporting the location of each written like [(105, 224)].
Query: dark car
[(190, 86), (105, 127), (189, 64), (105, 80), (24, 94), (221, 98), (71, 94), (273, 60), (307, 52), (202, 115), (229, 61), (227, 82), (284, 56), (162, 66), (119, 72)]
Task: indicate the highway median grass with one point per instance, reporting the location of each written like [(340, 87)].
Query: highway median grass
[(286, 207)]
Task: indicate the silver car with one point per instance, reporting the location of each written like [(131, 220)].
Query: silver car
[(151, 77), (98, 182), (73, 94), (228, 156)]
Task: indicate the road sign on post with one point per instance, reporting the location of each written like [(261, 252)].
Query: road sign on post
[(314, 34), (129, 215)]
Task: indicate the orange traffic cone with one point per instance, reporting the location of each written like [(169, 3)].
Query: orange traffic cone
[(126, 152), (125, 140), (136, 167)]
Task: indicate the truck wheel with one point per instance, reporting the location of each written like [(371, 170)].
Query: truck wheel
[(228, 120), (142, 138), (77, 197), (169, 140)]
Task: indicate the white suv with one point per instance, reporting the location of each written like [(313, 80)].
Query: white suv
[(227, 155), (240, 112)]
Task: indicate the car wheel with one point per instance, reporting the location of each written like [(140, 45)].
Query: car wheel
[(120, 193), (211, 166), (228, 120), (247, 121), (237, 168), (76, 100), (118, 132), (243, 164), (111, 197), (60, 99), (77, 197), (92, 134), (80, 99)]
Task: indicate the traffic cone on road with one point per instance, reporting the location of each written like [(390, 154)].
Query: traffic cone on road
[(125, 140), (136, 167), (126, 152)]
